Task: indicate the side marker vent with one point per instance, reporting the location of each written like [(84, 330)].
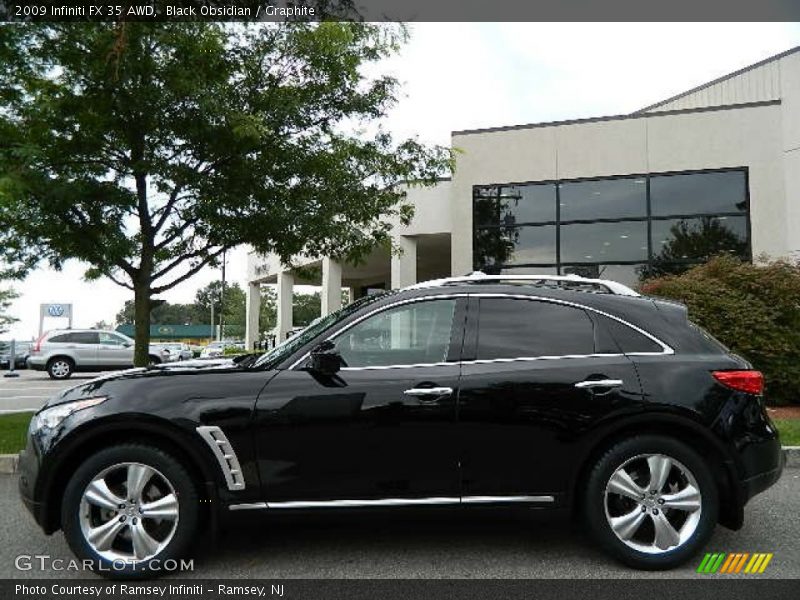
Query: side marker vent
[(223, 451)]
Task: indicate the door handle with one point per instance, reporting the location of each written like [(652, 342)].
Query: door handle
[(432, 393), (599, 383)]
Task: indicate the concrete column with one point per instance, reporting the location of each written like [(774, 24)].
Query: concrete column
[(285, 289), (252, 310), (404, 266), (331, 286)]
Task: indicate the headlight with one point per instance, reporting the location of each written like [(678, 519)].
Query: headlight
[(51, 418)]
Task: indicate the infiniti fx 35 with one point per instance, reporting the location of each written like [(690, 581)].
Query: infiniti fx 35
[(539, 392)]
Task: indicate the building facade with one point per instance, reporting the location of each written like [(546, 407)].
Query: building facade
[(714, 169)]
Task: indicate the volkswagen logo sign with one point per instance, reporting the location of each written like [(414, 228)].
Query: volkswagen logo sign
[(55, 310)]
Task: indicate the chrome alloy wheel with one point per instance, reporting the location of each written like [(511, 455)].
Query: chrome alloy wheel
[(653, 503), (129, 512), (60, 368)]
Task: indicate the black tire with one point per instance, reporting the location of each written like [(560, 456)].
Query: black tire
[(60, 367), (594, 502), (154, 360), (172, 471)]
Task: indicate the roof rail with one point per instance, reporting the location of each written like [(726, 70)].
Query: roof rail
[(576, 282)]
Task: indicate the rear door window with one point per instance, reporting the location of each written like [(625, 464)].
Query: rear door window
[(520, 328)]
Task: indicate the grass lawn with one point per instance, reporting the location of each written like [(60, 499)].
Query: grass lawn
[(13, 429), (790, 431)]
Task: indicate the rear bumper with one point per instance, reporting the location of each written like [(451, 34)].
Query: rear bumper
[(36, 363), (758, 482)]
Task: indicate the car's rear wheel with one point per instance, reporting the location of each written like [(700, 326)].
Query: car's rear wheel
[(651, 502), (130, 509), (154, 360), (60, 367)]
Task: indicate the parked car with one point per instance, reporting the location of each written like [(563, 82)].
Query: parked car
[(179, 350), (21, 352), (213, 350), (62, 352), (542, 392), (173, 351)]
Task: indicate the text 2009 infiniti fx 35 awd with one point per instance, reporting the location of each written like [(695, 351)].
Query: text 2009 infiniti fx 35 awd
[(543, 392)]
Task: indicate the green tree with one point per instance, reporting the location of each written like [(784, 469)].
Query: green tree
[(6, 296), (233, 313), (148, 149), (164, 313)]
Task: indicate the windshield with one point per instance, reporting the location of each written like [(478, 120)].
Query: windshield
[(315, 328)]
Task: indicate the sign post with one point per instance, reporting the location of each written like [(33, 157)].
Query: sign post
[(54, 310), (12, 357)]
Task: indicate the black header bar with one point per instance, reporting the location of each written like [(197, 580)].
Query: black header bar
[(402, 10)]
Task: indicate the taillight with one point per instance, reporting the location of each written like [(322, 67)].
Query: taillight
[(750, 382), (37, 347)]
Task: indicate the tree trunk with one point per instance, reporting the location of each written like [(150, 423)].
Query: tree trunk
[(141, 311)]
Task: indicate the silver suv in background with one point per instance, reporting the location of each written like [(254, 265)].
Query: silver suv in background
[(62, 352)]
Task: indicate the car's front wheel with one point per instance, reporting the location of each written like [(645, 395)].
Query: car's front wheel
[(128, 510), (651, 502)]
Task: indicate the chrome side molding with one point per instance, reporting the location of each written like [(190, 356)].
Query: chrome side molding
[(225, 454), (379, 502), (599, 383)]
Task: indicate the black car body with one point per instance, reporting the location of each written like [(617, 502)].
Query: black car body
[(461, 393)]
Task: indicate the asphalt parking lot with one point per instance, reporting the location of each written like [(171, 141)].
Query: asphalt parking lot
[(32, 388), (415, 546)]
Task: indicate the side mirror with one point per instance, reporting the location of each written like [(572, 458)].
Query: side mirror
[(127, 344), (325, 359)]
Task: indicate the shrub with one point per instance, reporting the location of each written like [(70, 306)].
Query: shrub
[(754, 310)]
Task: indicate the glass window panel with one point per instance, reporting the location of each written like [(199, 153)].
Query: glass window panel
[(630, 275), (695, 193), (417, 333), (593, 242), (509, 328), (698, 239), (511, 205), (514, 246), (603, 199)]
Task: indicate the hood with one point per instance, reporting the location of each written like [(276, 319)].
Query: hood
[(105, 384)]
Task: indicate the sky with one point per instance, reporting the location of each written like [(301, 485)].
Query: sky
[(471, 75)]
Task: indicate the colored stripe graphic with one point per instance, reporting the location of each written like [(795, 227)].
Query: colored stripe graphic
[(721, 562)]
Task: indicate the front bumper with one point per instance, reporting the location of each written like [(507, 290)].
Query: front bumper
[(28, 468)]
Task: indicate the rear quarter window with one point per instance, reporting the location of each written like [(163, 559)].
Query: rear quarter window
[(615, 336)]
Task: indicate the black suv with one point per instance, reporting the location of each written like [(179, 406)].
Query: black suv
[(545, 392)]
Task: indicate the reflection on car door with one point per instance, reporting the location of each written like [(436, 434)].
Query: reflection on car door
[(533, 378), (379, 430)]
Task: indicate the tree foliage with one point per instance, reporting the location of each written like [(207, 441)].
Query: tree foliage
[(148, 149), (6, 296), (754, 310)]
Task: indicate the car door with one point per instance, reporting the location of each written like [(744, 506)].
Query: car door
[(535, 377), (381, 430), (83, 345), (114, 350)]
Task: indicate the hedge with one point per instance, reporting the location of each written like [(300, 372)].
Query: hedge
[(754, 310)]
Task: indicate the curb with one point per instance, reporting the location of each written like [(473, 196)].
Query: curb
[(8, 462)]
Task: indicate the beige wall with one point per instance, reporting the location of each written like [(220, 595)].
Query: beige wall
[(750, 137)]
